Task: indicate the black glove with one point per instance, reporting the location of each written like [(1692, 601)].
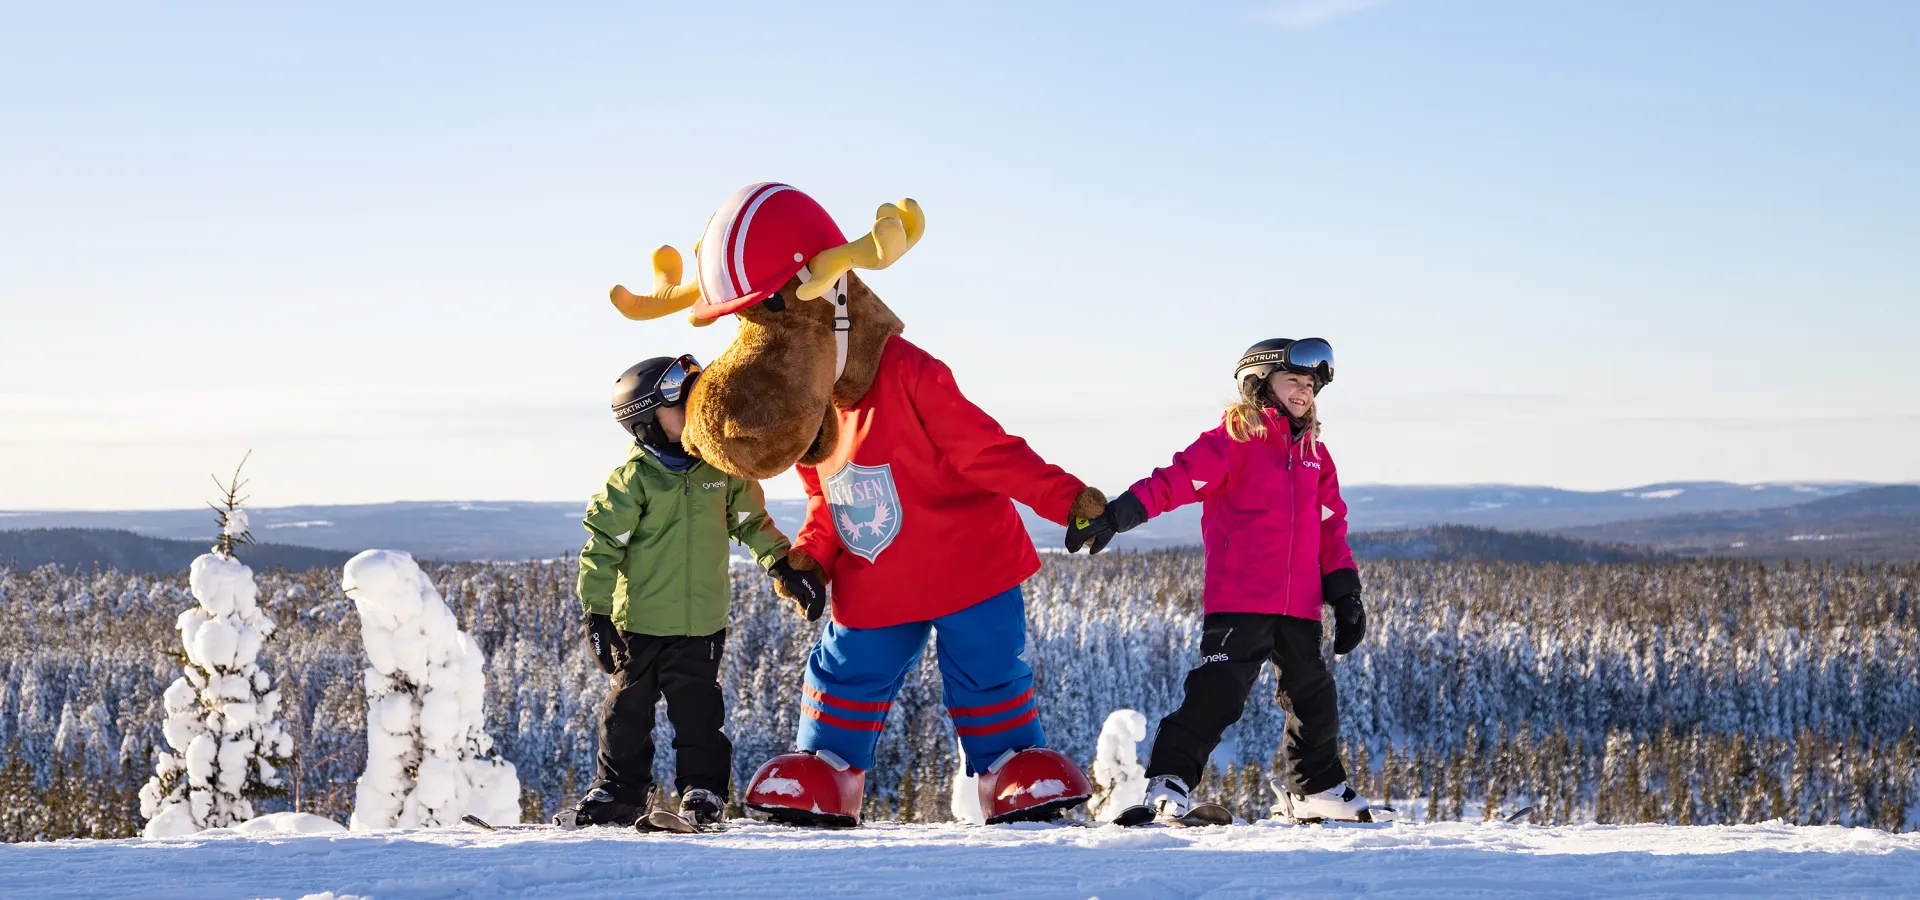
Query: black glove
[(1340, 589), (1123, 513), (807, 588), (606, 641)]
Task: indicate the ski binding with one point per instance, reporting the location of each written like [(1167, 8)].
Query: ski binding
[(1201, 815)]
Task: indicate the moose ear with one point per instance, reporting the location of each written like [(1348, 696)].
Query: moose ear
[(896, 228), (669, 295)]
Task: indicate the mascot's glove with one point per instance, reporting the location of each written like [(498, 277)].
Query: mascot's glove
[(606, 640), (1340, 589), (1123, 513), (797, 578)]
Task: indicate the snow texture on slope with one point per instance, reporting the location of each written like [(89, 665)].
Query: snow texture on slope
[(428, 751), (893, 861)]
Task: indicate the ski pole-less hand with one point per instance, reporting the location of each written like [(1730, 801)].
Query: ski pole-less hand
[(1123, 513), (1340, 589), (604, 637), (803, 586)]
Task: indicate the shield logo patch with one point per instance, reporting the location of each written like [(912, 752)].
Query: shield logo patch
[(865, 507)]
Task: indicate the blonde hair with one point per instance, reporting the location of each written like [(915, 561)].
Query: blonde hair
[(1246, 419)]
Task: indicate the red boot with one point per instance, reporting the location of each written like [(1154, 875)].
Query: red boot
[(1031, 785), (816, 788)]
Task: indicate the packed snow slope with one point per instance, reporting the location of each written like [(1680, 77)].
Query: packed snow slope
[(897, 862)]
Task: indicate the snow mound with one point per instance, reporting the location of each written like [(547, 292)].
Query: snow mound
[(289, 823)]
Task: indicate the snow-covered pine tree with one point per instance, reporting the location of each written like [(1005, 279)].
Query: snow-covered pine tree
[(223, 713), (428, 753), (1119, 778)]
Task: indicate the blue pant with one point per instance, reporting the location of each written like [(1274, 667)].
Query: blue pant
[(853, 675)]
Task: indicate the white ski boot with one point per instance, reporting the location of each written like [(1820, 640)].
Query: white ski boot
[(1339, 803), (1168, 796)]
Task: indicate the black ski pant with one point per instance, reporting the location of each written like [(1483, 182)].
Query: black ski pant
[(1232, 649), (685, 670)]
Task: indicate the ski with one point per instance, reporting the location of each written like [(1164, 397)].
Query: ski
[(1520, 816), (485, 825), (1203, 815), (661, 820), (1134, 815), (1200, 816), (1373, 815)]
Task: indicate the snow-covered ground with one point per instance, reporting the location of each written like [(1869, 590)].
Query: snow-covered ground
[(899, 862)]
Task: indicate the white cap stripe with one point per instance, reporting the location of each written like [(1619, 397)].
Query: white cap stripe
[(738, 254), (718, 282)]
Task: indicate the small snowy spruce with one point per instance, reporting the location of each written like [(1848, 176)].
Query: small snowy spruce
[(428, 751), (228, 745), (964, 803), (1119, 779)]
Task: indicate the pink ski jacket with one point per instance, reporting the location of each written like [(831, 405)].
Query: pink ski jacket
[(1273, 521)]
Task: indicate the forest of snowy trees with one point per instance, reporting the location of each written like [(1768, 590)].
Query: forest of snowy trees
[(1694, 692)]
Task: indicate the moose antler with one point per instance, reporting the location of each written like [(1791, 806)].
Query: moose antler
[(895, 230), (669, 295)]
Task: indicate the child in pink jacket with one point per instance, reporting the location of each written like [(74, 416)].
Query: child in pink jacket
[(1275, 530)]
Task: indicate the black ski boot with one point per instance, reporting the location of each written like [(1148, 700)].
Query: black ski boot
[(600, 807), (702, 807)]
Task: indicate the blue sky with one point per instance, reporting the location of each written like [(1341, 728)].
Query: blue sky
[(1581, 244)]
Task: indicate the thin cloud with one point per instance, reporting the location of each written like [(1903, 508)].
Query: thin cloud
[(1305, 14)]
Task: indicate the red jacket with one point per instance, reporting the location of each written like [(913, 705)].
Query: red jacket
[(1272, 520), (911, 516)]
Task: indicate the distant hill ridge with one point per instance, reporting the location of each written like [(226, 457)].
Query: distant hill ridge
[(1467, 543), (1880, 523), (124, 551), (518, 530)]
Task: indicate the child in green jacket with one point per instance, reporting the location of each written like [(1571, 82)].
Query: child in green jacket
[(653, 580)]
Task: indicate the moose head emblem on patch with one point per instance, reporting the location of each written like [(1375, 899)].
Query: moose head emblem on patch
[(865, 507)]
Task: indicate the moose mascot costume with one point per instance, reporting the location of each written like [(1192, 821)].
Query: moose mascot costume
[(909, 486)]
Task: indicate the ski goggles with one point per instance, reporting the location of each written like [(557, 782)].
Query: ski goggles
[(1308, 356), (677, 380)]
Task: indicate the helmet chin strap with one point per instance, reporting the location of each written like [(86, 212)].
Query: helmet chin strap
[(842, 321)]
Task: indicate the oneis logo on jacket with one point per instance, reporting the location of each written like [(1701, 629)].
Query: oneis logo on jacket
[(713, 485), (1310, 464)]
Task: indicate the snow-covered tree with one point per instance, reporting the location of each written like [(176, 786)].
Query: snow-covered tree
[(428, 753), (228, 745), (1119, 778)]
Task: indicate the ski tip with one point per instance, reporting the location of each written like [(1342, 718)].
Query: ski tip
[(1521, 816), (661, 820), (478, 822), (1204, 815), (1134, 815)]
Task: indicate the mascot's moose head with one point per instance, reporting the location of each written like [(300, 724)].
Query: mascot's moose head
[(810, 334)]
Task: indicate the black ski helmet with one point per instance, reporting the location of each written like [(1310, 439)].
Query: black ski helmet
[(1312, 357), (643, 388)]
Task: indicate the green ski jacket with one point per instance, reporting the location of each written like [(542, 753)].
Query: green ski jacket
[(656, 553)]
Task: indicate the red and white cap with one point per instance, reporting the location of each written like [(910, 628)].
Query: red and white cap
[(761, 237)]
